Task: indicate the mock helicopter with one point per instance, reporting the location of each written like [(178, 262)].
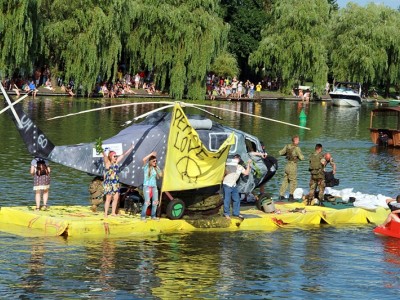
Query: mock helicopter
[(147, 136)]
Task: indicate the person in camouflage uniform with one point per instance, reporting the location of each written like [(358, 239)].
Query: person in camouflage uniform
[(317, 180), (293, 154)]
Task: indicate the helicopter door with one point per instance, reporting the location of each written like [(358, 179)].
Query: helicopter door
[(251, 145)]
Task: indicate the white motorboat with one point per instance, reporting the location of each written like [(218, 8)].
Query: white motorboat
[(346, 94)]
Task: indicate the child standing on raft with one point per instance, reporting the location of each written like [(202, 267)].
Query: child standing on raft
[(41, 181)]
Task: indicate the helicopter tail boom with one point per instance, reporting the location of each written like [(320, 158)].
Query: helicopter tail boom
[(35, 140)]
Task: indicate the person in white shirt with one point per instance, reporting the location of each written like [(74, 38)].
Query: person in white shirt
[(233, 171)]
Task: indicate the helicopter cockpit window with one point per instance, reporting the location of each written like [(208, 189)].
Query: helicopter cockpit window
[(218, 138), (251, 146)]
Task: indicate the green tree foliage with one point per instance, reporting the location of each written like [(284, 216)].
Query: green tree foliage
[(225, 65), (246, 19), (19, 34), (293, 43), (333, 5), (367, 47), (183, 40), (84, 38), (178, 39)]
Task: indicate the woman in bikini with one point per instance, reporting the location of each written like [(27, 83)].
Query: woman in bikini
[(111, 179)]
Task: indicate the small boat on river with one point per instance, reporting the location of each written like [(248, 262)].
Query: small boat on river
[(385, 126), (346, 94), (391, 229)]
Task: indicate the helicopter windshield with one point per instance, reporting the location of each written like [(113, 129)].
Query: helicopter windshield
[(218, 138)]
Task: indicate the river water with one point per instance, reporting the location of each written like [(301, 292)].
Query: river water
[(311, 262)]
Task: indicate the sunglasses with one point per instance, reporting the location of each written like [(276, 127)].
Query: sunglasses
[(115, 156)]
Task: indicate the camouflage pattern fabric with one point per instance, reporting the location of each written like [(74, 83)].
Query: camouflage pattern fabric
[(289, 178), (317, 182), (293, 154)]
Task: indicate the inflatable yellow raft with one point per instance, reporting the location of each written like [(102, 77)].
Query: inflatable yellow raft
[(79, 221)]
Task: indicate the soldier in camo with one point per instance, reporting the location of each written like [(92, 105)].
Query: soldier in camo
[(293, 155), (317, 180)]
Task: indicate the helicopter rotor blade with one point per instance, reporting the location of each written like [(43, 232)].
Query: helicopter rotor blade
[(108, 107), (170, 103), (150, 112), (201, 109), (252, 115)]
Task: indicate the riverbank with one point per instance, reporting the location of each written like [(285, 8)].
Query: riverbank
[(141, 93)]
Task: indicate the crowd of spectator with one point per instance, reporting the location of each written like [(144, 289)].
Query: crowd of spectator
[(226, 87), (124, 84)]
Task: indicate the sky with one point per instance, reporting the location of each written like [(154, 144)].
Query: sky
[(391, 3)]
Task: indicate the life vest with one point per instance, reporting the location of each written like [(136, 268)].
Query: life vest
[(316, 166)]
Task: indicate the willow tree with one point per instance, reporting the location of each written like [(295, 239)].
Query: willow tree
[(20, 36), (293, 42), (367, 45), (225, 65), (83, 38), (178, 39)]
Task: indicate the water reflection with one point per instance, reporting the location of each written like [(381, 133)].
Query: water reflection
[(392, 256), (392, 250), (107, 264), (146, 277), (187, 272), (345, 119), (232, 266), (33, 280), (314, 266), (386, 161), (313, 263)]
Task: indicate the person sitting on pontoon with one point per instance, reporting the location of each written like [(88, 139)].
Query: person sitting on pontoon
[(394, 214), (32, 88), (49, 86)]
